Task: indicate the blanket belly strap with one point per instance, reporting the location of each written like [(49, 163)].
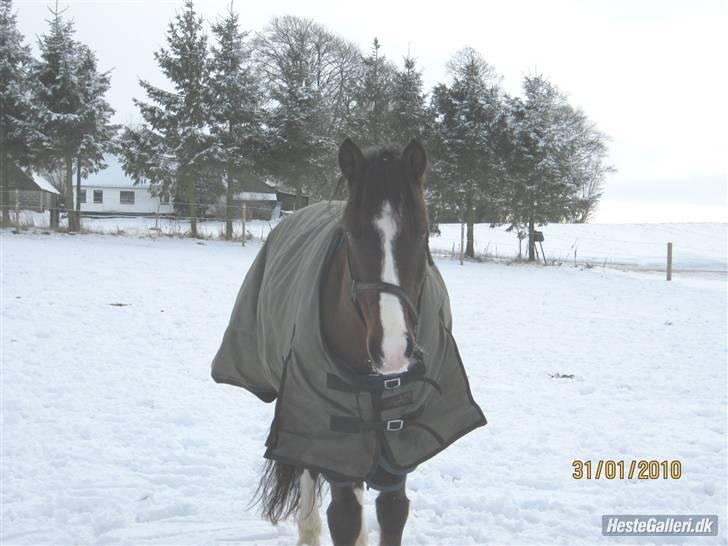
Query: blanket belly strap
[(340, 423), (379, 383)]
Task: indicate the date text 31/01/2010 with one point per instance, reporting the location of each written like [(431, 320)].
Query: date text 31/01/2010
[(620, 470)]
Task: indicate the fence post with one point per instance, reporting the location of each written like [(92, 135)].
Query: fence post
[(520, 253), (244, 215), (17, 209), (669, 261), (462, 241)]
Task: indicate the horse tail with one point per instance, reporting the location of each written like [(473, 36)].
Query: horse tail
[(279, 491)]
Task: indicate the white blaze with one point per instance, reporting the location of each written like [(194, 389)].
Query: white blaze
[(394, 328)]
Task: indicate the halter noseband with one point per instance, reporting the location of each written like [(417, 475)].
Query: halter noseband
[(358, 286), (378, 286)]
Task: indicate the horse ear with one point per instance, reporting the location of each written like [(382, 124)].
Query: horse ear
[(350, 159), (415, 159)]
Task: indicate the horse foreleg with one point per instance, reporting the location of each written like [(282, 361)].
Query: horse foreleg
[(346, 516), (309, 520), (392, 512), (362, 539)]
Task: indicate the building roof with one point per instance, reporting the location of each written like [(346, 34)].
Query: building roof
[(253, 183), (111, 177), (44, 185), (21, 180)]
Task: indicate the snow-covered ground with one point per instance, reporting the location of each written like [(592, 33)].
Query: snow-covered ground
[(113, 432)]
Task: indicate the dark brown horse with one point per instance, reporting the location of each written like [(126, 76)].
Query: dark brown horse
[(368, 321)]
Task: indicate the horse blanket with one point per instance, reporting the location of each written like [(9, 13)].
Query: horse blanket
[(326, 418)]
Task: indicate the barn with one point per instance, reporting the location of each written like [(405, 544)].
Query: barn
[(111, 192), (263, 201), (28, 191)]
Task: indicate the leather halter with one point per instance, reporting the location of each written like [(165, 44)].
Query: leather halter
[(359, 286)]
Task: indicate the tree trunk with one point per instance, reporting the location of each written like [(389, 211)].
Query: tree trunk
[(4, 189), (55, 213), (470, 223), (78, 193), (229, 207), (470, 246), (192, 198), (531, 240), (69, 194), (229, 195)]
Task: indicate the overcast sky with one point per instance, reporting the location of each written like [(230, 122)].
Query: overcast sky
[(651, 74)]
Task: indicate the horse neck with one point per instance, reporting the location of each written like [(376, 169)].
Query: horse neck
[(342, 328)]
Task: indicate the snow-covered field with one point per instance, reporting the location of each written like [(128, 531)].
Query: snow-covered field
[(113, 432)]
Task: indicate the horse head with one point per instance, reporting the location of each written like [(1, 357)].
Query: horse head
[(385, 221)]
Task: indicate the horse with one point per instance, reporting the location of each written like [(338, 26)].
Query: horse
[(370, 383)]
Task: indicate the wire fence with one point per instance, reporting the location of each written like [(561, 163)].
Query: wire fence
[(698, 248), (210, 226)]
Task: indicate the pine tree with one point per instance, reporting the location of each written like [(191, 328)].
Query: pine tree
[(409, 117), (57, 101), (146, 158), (371, 120), (15, 106), (467, 140), (169, 149), (234, 109), (97, 131), (72, 115)]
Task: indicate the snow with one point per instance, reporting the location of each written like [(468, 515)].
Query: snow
[(114, 433)]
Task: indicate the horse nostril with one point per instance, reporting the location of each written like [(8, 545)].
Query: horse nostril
[(410, 347)]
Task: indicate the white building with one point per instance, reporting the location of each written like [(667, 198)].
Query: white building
[(112, 192)]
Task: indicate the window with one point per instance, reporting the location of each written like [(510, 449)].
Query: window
[(164, 199), (126, 197), (82, 199), (98, 196)]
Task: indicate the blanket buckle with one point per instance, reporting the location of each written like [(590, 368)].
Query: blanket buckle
[(390, 384), (395, 425)]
